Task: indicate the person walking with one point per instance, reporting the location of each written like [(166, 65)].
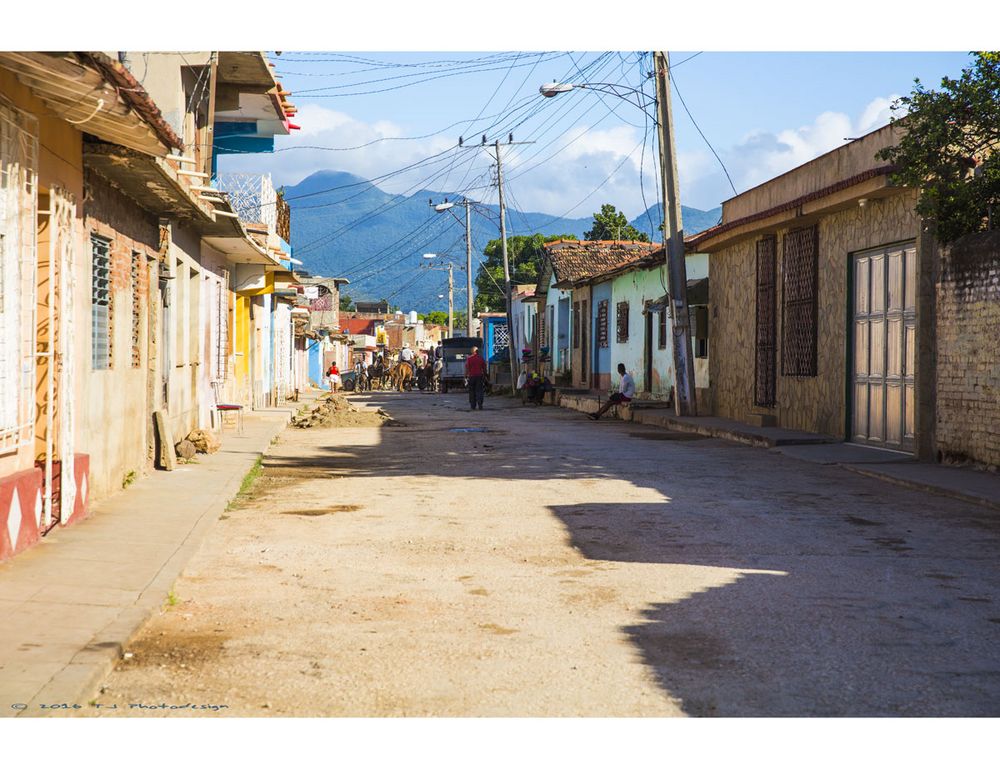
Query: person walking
[(475, 372), (626, 392)]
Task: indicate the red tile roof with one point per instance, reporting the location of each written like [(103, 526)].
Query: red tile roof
[(573, 261)]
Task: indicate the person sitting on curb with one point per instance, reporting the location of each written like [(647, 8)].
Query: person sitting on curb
[(624, 395)]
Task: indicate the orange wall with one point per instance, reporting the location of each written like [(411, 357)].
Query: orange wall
[(60, 145)]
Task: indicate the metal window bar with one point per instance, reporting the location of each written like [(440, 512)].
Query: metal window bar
[(134, 279), (18, 272), (100, 298), (602, 323), (622, 322), (766, 331), (800, 278)]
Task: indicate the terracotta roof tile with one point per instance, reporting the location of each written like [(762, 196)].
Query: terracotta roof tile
[(573, 261)]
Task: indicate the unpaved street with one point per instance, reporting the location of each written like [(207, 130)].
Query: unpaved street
[(550, 566)]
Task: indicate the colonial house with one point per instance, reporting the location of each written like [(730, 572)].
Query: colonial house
[(125, 263), (605, 303), (822, 309)]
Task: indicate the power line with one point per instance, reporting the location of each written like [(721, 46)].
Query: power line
[(673, 81)]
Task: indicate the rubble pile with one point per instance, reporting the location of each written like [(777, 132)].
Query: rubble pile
[(335, 411)]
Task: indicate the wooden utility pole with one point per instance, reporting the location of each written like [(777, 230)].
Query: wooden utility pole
[(506, 273), (684, 394), (451, 302), (468, 268)]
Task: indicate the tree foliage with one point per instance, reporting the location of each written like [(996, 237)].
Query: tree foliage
[(949, 149), (524, 253), (346, 303), (612, 224)]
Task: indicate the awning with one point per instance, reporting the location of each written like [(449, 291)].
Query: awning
[(97, 94), (697, 294)]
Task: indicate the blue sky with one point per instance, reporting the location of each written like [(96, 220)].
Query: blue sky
[(763, 112)]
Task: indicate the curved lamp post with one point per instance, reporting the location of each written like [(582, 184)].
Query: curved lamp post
[(684, 394)]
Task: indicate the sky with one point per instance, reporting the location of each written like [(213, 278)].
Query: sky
[(763, 113)]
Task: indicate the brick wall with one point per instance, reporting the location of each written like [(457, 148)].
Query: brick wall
[(968, 353)]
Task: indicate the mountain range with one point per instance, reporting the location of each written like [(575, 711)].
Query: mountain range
[(345, 226)]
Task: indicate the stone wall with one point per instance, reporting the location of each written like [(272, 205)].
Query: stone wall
[(815, 404), (968, 353)]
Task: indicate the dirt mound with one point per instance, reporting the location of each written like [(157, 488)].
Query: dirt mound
[(336, 411)]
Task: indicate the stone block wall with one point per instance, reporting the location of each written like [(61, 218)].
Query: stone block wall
[(968, 351), (815, 403)]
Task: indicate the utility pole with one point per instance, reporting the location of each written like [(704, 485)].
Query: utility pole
[(512, 353), (468, 269), (451, 302), (446, 206), (684, 394)]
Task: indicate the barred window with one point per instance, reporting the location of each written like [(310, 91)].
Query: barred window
[(135, 275), (662, 322), (622, 322), (602, 323), (765, 338), (576, 325), (100, 302), (800, 278)]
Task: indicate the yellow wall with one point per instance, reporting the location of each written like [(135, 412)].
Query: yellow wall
[(242, 346)]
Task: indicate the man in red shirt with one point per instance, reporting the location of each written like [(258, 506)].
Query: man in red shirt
[(475, 372)]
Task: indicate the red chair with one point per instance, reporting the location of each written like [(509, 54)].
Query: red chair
[(227, 408)]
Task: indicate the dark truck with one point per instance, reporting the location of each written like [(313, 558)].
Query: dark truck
[(455, 350)]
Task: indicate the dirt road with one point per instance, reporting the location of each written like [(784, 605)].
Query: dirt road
[(528, 562)]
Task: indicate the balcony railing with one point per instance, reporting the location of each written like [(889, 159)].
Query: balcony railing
[(253, 198)]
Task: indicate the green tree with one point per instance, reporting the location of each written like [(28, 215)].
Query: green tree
[(524, 253), (438, 317), (612, 224), (346, 303), (949, 148)]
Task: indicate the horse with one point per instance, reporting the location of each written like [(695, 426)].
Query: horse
[(377, 372), (402, 376)]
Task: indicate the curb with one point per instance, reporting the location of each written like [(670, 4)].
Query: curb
[(941, 491)]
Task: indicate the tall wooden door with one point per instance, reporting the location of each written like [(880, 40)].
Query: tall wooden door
[(884, 347)]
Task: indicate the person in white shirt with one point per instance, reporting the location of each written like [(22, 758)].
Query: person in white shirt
[(407, 356), (626, 392)]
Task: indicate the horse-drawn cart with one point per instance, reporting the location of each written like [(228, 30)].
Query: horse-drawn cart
[(454, 351)]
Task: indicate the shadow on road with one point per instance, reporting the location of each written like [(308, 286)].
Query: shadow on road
[(815, 592)]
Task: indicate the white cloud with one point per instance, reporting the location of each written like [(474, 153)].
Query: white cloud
[(762, 155), (579, 162)]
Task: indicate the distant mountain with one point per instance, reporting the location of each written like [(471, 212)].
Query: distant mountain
[(345, 226)]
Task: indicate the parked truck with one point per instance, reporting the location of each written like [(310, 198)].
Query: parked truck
[(455, 350)]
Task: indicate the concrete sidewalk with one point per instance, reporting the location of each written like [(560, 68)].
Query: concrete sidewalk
[(72, 603)]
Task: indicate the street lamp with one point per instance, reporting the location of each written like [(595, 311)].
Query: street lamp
[(451, 290), (447, 206), (684, 393)]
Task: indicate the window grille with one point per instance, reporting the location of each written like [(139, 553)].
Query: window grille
[(602, 323), (576, 325), (100, 300), (221, 312), (501, 340), (18, 275), (622, 322), (766, 342), (800, 278), (135, 277), (662, 337)]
